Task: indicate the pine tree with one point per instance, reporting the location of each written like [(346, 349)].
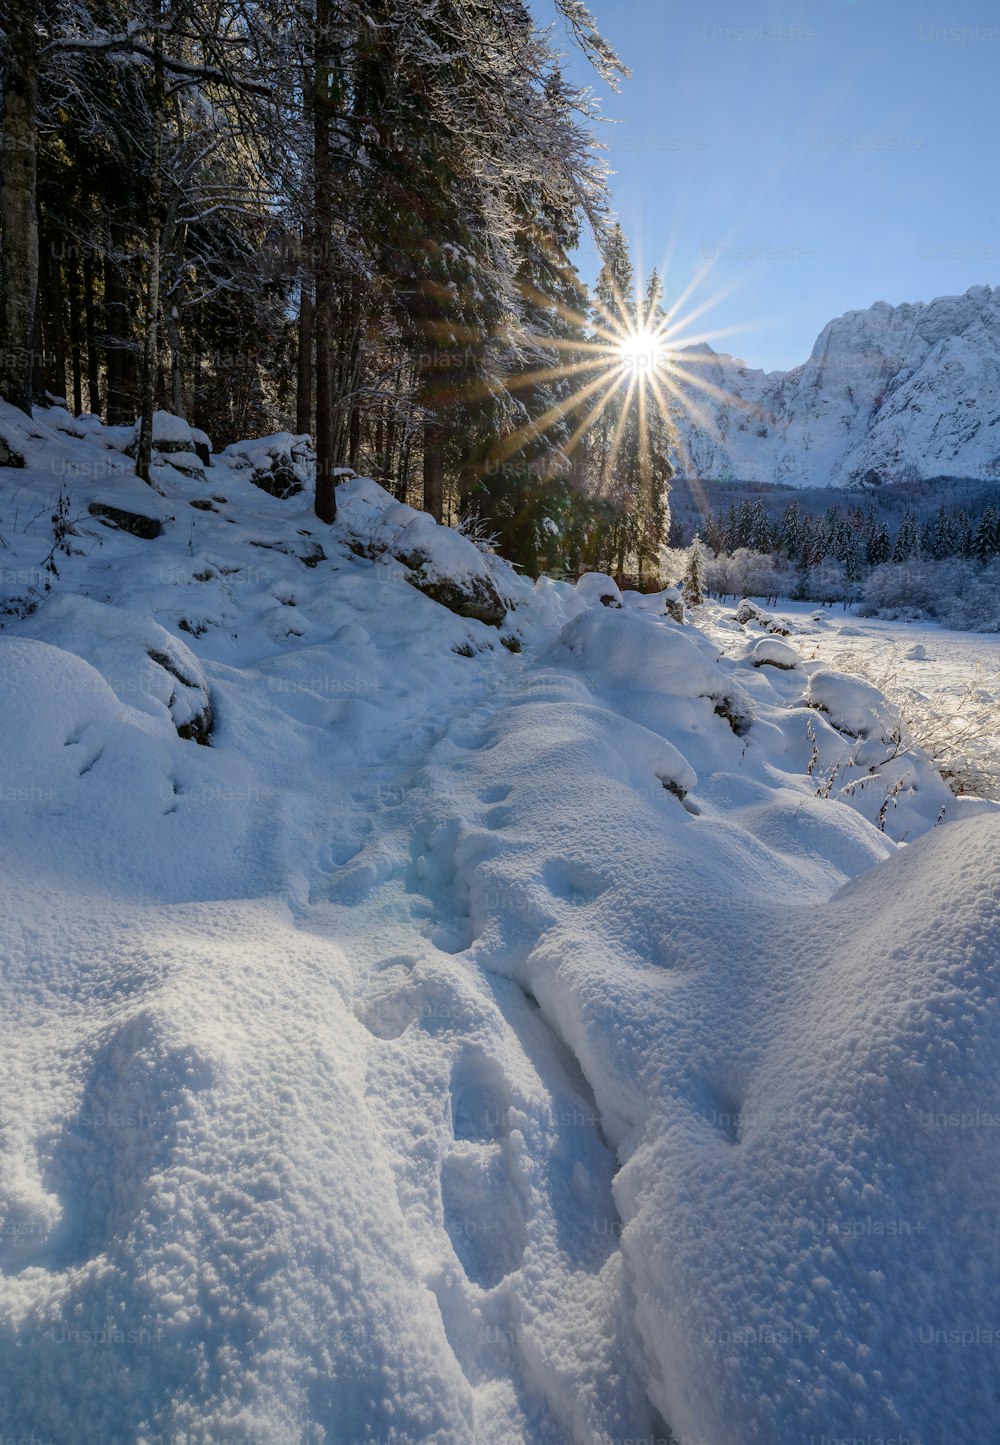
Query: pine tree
[(962, 533), (986, 542), (937, 539), (879, 548), (613, 310), (907, 543), (759, 536), (789, 532), (656, 438), (694, 574)]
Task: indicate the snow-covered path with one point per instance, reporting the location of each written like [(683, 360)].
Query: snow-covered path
[(500, 1168), (476, 1046)]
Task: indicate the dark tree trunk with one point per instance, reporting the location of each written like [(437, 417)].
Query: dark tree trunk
[(50, 301), (121, 408), (90, 318), (175, 337), (355, 437), (150, 336), (304, 371), (434, 468), (37, 356), (323, 217), (352, 398), (75, 331), (18, 216)]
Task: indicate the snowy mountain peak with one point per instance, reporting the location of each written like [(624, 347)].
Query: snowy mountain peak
[(891, 393)]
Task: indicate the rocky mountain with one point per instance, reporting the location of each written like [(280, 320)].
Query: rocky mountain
[(889, 394)]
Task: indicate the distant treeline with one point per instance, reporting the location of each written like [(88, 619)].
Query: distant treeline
[(856, 530)]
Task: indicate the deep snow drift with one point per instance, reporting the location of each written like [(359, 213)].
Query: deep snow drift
[(468, 1044)]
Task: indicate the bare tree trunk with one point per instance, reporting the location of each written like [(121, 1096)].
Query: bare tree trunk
[(304, 370), (18, 217), (90, 323), (51, 304), (38, 358), (57, 314), (121, 407), (353, 389), (150, 338), (177, 402), (75, 330), (323, 216), (402, 488), (434, 468), (45, 368)]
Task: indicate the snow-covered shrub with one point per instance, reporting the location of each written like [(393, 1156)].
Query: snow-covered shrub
[(955, 727), (956, 592), (901, 590)]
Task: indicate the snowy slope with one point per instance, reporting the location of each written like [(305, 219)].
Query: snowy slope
[(554, 1045), (888, 394)]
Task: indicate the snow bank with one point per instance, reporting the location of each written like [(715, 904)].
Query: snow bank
[(146, 666), (466, 1045)]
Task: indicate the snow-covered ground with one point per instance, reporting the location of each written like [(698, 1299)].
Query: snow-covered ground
[(946, 683), (470, 1043)]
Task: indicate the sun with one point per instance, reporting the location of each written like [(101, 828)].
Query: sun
[(642, 351), (626, 359)]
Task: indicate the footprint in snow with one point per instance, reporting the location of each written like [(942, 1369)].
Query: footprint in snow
[(393, 998), (499, 793), (483, 1208), (389, 1002), (572, 882)]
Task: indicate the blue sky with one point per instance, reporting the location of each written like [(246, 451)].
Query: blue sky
[(815, 155)]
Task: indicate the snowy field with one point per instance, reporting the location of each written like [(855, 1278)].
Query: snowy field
[(946, 683), (469, 1043)]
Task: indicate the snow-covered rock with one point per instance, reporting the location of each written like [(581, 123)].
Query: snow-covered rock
[(890, 393), (176, 439), (853, 705), (282, 464), (769, 652), (441, 562), (597, 587), (146, 666)]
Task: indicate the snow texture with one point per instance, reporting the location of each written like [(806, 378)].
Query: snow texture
[(563, 1046)]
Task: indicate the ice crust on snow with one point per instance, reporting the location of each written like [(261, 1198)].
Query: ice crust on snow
[(466, 1045)]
